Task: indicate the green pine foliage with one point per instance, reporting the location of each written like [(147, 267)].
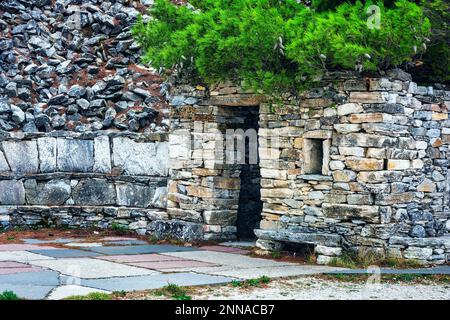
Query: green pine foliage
[(277, 45)]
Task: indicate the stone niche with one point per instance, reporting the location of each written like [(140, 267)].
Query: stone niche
[(356, 164)]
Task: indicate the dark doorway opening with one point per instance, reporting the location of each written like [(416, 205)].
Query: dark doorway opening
[(250, 204)]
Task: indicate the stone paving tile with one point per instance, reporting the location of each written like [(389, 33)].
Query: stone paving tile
[(65, 253), (153, 282), (117, 250), (225, 249), (162, 265), (127, 242), (27, 291), (11, 264), (57, 240), (22, 256), (117, 239), (4, 271), (92, 268), (84, 244), (280, 271), (228, 259), (152, 257), (41, 278), (22, 247), (65, 291)]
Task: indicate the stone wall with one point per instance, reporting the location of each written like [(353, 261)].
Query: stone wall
[(83, 179), (384, 178), (358, 163), (204, 190)]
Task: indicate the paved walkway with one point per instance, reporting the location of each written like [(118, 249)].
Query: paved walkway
[(55, 269)]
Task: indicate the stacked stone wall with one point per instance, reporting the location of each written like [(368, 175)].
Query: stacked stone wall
[(91, 179), (384, 184)]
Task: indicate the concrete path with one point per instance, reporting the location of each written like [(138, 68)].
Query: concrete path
[(59, 268)]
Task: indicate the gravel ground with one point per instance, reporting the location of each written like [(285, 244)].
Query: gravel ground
[(311, 288)]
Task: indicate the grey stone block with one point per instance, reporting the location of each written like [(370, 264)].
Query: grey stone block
[(12, 192), (22, 156), (75, 155), (47, 154), (102, 155), (132, 195), (54, 192), (94, 192)]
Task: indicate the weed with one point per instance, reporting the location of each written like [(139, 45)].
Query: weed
[(174, 291), (256, 282), (367, 257), (8, 295), (119, 228), (121, 293), (91, 296)]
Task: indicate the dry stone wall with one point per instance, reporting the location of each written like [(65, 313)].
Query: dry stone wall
[(89, 180), (356, 164), (382, 180)]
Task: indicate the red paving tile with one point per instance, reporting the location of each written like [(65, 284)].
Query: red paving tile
[(23, 247), (225, 249), (171, 264), (4, 271), (11, 264), (126, 258)]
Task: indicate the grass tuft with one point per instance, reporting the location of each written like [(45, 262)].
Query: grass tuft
[(257, 282), (91, 296), (174, 291), (8, 295)]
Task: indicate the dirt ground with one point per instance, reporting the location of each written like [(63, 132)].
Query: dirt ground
[(320, 288)]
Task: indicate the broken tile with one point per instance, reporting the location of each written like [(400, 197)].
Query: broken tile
[(153, 281), (66, 291), (92, 268), (116, 250), (152, 257), (22, 256), (162, 265)]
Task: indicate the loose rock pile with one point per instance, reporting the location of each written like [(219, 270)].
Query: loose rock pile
[(73, 65)]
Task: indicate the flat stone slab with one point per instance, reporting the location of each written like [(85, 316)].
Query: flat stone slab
[(228, 259), (175, 264), (57, 240), (273, 272), (16, 267), (152, 257), (92, 268), (242, 244), (42, 278), (441, 270), (84, 244), (66, 291), (127, 242), (116, 250), (153, 282), (27, 291), (65, 253), (22, 247), (11, 264), (225, 249), (118, 239), (22, 256)]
